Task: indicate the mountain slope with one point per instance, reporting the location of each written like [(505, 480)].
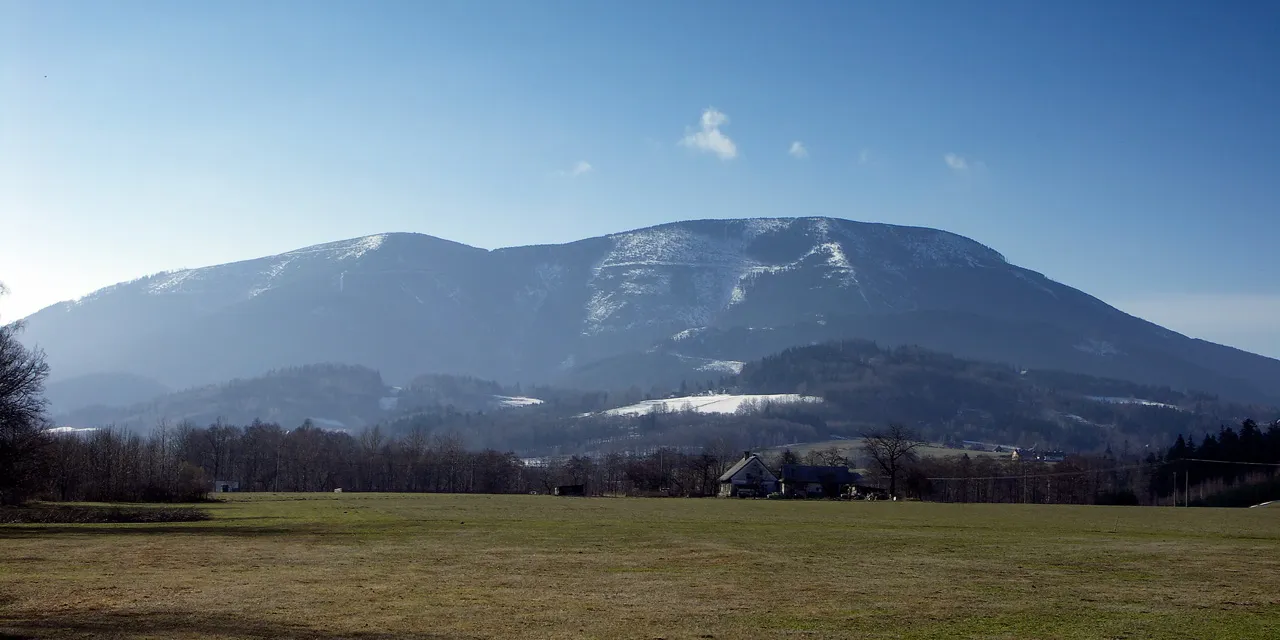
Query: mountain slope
[(100, 389), (333, 396), (406, 303)]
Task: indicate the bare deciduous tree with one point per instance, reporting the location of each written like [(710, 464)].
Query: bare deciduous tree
[(890, 450), (23, 442)]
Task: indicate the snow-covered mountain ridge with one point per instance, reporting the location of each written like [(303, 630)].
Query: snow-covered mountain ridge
[(407, 303)]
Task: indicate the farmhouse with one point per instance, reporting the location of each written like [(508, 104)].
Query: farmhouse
[(805, 480), (748, 477)]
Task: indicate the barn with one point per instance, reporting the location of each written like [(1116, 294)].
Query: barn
[(570, 490), (748, 477), (800, 480)]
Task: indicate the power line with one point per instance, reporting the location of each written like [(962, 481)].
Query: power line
[(1107, 470), (1258, 464), (1044, 475)]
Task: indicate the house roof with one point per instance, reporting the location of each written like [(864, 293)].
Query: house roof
[(740, 465), (821, 475)]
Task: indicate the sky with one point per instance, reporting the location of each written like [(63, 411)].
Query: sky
[(1128, 149)]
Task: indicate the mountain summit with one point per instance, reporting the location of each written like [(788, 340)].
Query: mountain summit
[(691, 294)]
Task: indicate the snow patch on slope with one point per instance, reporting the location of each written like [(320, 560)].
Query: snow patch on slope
[(70, 429), (1097, 347), (641, 268), (517, 401), (171, 282), (687, 333), (360, 246), (722, 366), (1138, 401), (252, 278), (719, 403), (756, 227)]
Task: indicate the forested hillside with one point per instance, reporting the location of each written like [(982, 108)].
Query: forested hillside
[(862, 385), (951, 399), (334, 395)]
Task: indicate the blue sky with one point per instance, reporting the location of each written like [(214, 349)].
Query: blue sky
[(1130, 149)]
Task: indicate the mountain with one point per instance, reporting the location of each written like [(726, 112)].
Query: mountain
[(692, 299)]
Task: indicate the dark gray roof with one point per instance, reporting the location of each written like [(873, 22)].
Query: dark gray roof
[(746, 460), (823, 475)]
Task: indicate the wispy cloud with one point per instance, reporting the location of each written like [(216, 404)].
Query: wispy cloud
[(865, 157), (708, 138), (578, 169), (956, 162), (797, 150)]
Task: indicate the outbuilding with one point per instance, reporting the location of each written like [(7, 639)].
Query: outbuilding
[(804, 481), (571, 490)]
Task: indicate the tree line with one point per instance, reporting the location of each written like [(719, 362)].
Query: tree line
[(182, 463), (1222, 462), (1244, 462)]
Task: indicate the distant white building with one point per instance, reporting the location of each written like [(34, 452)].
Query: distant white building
[(748, 477)]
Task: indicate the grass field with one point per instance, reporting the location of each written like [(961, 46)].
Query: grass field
[(451, 566)]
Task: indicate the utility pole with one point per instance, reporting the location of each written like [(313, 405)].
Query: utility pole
[(1187, 480)]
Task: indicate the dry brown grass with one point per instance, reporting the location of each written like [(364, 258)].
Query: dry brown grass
[(439, 566)]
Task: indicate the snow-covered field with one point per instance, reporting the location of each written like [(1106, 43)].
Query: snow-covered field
[(721, 403), (1145, 403), (722, 366), (516, 401)]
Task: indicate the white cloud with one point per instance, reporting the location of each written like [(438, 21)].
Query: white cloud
[(713, 118), (709, 138), (797, 150), (578, 169), (956, 162)]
